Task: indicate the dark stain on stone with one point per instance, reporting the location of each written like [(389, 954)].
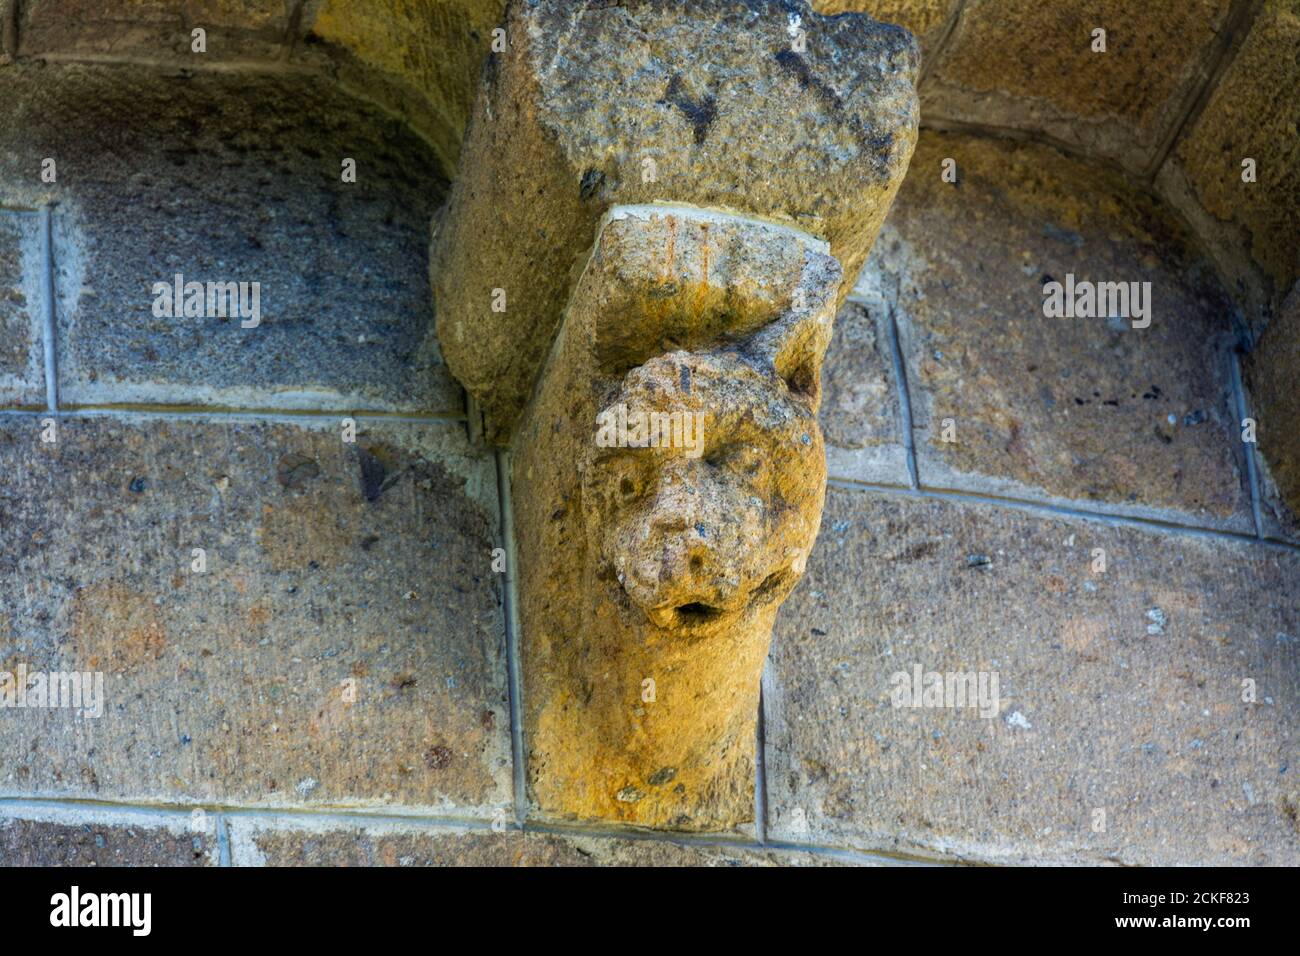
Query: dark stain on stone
[(295, 470), (1292, 813), (137, 485), (662, 776), (438, 758), (701, 113), (591, 183), (373, 474), (797, 67), (1067, 236), (873, 142), (918, 551)]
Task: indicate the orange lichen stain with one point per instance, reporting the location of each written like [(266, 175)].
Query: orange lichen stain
[(116, 627), (303, 531), (259, 615), (700, 300)]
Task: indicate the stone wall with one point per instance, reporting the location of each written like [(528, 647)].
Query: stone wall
[(1123, 728), (1184, 92), (420, 60)]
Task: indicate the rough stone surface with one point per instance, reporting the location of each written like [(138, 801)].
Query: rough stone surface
[(1025, 64), (665, 561), (35, 842), (230, 179), (925, 18), (1271, 373), (422, 58), (1254, 112), (706, 103), (343, 646), (254, 843), (1120, 691), (8, 32), (860, 414), (154, 29), (1071, 410), (419, 58), (22, 370)]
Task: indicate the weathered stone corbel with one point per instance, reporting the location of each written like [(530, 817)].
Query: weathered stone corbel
[(668, 481), (650, 347)]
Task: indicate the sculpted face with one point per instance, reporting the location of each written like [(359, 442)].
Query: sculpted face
[(710, 521), (669, 482)]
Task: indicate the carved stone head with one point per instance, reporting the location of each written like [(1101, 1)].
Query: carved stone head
[(670, 479), (703, 529)]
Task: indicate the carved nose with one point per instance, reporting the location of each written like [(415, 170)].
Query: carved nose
[(678, 500), (684, 565), (680, 569)]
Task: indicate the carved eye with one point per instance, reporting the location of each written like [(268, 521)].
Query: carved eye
[(738, 458), (773, 583), (625, 479)]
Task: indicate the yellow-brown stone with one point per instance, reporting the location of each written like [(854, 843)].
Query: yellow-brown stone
[(926, 19), (422, 58), (1272, 371), (650, 575), (1255, 113), (1030, 65)]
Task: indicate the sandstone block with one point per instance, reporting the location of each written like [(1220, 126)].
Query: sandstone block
[(154, 29), (79, 837), (22, 297), (1123, 730), (1032, 66), (292, 843), (1254, 113), (1271, 372), (1133, 414), (277, 617), (229, 180)]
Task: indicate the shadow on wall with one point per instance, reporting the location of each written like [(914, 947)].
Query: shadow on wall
[(223, 178), (419, 59)]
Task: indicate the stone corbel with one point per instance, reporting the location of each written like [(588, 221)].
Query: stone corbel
[(650, 348), (668, 481)]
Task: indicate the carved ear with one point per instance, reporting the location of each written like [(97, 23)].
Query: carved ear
[(794, 346)]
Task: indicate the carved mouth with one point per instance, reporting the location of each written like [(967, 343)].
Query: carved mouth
[(690, 616), (698, 618), (698, 613)]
